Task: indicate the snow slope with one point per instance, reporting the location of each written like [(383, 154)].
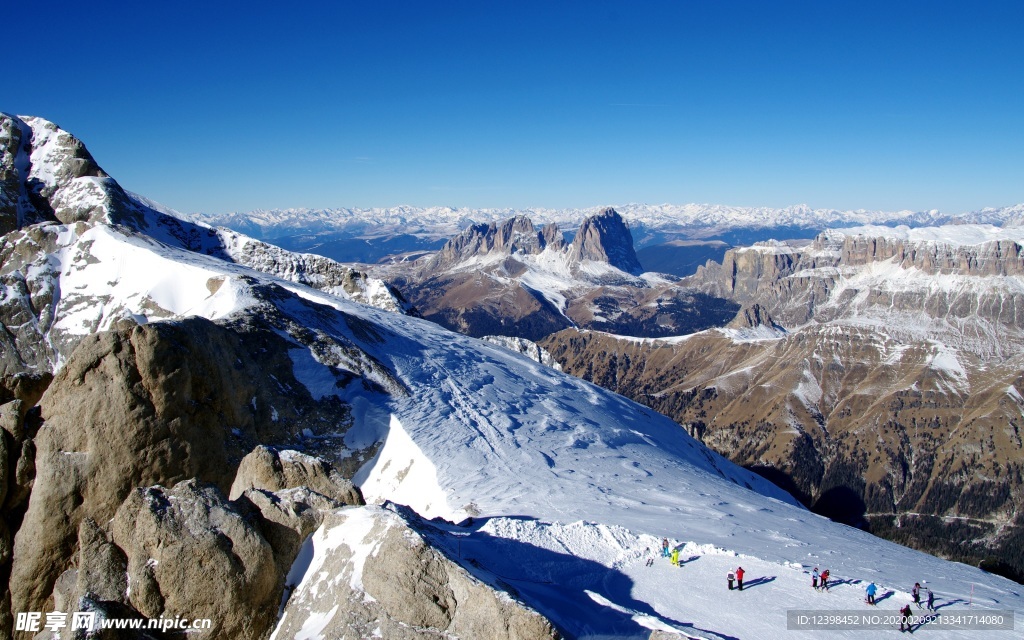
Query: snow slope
[(546, 464)]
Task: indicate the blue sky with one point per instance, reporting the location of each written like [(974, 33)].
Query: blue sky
[(222, 106)]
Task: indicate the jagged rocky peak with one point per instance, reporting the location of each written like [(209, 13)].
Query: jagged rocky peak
[(48, 174), (552, 237), (512, 236), (605, 238)]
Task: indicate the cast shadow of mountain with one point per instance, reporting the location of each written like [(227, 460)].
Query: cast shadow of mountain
[(583, 598)]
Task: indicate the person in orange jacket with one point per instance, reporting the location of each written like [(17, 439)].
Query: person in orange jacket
[(739, 578)]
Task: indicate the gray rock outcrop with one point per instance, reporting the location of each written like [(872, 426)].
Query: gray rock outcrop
[(272, 470), (150, 405), (604, 237), (752, 316), (191, 553), (372, 573), (11, 135)]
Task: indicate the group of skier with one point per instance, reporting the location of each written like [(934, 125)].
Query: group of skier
[(738, 575), (906, 613), (673, 555), (916, 593), (819, 581)]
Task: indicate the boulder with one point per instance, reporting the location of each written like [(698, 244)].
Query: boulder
[(273, 470), (369, 571), (192, 553)]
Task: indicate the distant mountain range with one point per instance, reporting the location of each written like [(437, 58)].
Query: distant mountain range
[(367, 235)]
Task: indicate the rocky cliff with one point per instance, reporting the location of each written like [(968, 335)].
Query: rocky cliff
[(604, 238), (843, 270)]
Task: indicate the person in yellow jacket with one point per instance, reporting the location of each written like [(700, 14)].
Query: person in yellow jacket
[(675, 557)]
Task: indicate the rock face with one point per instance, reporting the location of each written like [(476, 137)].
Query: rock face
[(605, 238), (192, 554), (752, 317), (273, 470), (150, 405), (11, 135), (372, 572)]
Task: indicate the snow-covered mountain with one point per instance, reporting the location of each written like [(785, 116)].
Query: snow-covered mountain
[(712, 218), (366, 235), (547, 492)]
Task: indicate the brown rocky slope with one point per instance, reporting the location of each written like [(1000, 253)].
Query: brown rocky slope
[(892, 400)]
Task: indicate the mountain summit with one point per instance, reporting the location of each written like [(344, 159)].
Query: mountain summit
[(515, 236), (605, 238)]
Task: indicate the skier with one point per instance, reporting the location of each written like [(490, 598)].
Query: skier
[(664, 547), (675, 557), (916, 592), (871, 590), (739, 578), (905, 614), (824, 580), (931, 600), (650, 557), (814, 579), (732, 577)]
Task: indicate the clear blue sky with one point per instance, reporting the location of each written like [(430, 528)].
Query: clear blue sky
[(220, 106)]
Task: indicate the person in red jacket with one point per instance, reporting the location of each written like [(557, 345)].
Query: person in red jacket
[(739, 578), (905, 620)]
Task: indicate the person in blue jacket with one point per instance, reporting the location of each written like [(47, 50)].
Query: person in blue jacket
[(871, 590)]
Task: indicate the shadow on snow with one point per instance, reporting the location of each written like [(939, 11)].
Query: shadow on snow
[(585, 599)]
